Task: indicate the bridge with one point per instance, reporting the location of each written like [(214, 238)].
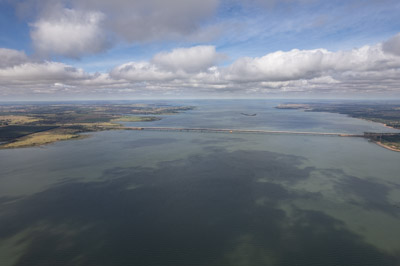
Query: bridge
[(254, 131)]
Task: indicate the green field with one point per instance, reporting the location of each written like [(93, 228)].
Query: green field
[(9, 133), (32, 125)]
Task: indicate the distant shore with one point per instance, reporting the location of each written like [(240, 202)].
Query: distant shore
[(371, 113), (23, 126)]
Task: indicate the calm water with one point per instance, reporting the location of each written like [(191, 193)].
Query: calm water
[(179, 198)]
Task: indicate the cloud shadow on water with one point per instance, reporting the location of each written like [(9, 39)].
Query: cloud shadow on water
[(192, 211), (369, 194)]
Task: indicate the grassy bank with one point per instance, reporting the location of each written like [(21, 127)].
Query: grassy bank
[(41, 138), (35, 125)]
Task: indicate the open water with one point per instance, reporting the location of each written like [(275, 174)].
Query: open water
[(187, 198)]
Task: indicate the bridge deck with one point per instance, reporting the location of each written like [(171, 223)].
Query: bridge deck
[(257, 131)]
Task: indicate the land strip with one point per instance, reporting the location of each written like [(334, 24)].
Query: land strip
[(40, 124), (387, 114), (256, 131)]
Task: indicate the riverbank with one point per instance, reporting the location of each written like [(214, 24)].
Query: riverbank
[(41, 124), (387, 115), (64, 132), (40, 139), (387, 146)]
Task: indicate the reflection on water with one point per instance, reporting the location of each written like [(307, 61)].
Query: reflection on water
[(175, 198)]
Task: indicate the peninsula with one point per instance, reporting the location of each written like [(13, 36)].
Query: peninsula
[(27, 125), (387, 114)]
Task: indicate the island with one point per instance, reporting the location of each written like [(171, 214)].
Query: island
[(27, 125), (387, 114), (246, 114)]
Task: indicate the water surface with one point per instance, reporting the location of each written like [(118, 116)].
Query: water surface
[(186, 198)]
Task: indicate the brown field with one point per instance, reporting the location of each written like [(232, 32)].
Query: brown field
[(41, 138), (17, 119), (135, 119), (35, 125)]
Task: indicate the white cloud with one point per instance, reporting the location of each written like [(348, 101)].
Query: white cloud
[(316, 70), (308, 64), (195, 70), (194, 59), (142, 71), (180, 63), (44, 72), (278, 66), (70, 33)]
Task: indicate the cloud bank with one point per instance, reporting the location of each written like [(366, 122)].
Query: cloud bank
[(198, 70), (74, 28)]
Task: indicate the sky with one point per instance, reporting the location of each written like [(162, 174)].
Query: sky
[(135, 49)]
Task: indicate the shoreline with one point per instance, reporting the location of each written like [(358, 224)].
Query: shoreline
[(33, 141), (385, 125), (389, 126), (37, 125), (386, 147), (53, 136), (362, 118), (378, 142), (64, 132)]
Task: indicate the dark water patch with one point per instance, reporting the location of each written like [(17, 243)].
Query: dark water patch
[(217, 140), (8, 200), (318, 239), (153, 225), (213, 148), (192, 211), (366, 193), (270, 166), (305, 238)]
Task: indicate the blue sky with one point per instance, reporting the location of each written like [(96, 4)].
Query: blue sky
[(67, 49)]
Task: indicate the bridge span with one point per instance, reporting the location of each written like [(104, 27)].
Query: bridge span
[(254, 131)]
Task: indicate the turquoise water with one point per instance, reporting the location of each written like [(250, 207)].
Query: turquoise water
[(186, 198)]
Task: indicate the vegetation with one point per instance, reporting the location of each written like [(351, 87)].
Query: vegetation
[(42, 138), (9, 133), (391, 141), (387, 140), (32, 125), (293, 106), (136, 119), (387, 114), (6, 120)]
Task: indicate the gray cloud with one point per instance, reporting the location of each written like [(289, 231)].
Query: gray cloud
[(137, 20), (74, 28), (95, 25), (70, 33), (392, 45), (43, 72), (11, 57)]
